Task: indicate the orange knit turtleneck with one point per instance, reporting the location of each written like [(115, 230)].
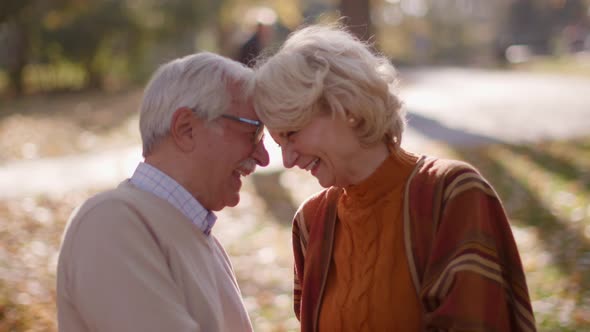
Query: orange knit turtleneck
[(369, 287)]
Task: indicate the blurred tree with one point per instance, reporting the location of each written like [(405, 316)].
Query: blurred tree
[(91, 33), (175, 23), (418, 32), (168, 30), (540, 24), (527, 25), (10, 9), (107, 38), (15, 36), (570, 24), (358, 18)]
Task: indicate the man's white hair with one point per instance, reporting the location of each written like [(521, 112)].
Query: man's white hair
[(199, 81)]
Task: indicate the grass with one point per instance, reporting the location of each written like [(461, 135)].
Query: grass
[(574, 65), (39, 78)]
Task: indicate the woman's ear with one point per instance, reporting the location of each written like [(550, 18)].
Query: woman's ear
[(182, 128), (350, 119)]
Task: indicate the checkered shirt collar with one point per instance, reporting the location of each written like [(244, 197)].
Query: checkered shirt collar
[(148, 178)]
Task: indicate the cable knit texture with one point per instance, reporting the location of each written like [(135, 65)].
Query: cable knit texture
[(369, 254)]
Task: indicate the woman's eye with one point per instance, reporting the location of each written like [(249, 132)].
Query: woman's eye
[(285, 137)]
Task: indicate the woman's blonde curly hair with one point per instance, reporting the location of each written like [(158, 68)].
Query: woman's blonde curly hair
[(324, 68)]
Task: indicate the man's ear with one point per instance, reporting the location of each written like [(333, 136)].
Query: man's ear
[(182, 128)]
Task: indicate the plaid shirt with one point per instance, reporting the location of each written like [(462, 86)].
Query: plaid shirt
[(152, 180)]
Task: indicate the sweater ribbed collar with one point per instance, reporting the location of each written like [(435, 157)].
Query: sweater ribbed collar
[(391, 174)]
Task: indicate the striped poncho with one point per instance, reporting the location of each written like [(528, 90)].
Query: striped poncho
[(463, 258)]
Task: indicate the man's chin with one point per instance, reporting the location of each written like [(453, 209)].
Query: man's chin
[(232, 200)]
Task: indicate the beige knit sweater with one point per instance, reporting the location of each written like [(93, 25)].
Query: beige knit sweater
[(130, 261)]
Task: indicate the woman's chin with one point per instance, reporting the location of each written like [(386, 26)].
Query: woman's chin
[(324, 182)]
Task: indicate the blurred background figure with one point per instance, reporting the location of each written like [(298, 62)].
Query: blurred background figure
[(252, 48)]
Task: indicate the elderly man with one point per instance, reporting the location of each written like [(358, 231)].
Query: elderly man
[(142, 257)]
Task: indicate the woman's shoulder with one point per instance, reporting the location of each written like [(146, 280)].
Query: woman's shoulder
[(433, 169), (437, 166), (444, 178)]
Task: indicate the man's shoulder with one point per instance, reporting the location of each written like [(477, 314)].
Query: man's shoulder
[(95, 219), (121, 195), (125, 210), (122, 201)]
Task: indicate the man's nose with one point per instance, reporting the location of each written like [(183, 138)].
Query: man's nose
[(260, 154)]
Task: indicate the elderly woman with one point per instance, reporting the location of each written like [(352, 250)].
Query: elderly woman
[(396, 241)]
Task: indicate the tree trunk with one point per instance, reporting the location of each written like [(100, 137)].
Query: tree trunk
[(19, 46), (93, 76), (358, 18)]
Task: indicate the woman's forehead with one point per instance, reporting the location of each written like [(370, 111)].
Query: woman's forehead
[(276, 134)]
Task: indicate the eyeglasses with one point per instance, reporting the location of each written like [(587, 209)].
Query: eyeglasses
[(257, 135)]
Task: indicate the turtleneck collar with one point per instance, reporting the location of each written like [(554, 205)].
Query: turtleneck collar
[(392, 173)]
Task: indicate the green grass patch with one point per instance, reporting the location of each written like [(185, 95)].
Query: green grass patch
[(3, 81), (60, 76), (576, 65)]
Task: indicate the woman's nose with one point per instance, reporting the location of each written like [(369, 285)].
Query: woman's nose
[(289, 157)]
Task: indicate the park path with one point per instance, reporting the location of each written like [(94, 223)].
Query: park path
[(455, 106)]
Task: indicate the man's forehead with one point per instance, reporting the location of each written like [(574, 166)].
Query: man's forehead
[(243, 108)]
